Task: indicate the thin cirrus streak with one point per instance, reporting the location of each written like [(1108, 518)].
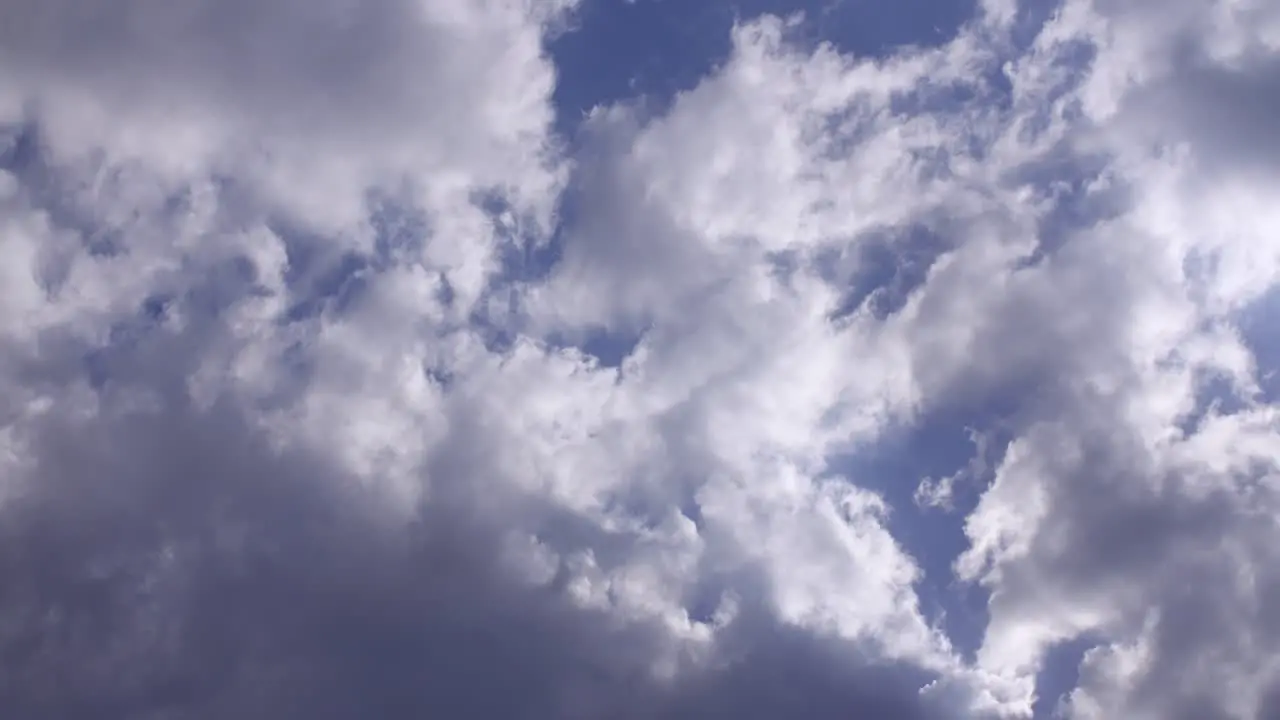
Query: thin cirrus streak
[(389, 360)]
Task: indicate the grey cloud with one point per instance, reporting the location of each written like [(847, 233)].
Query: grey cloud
[(307, 104), (171, 564), (1227, 110), (318, 62)]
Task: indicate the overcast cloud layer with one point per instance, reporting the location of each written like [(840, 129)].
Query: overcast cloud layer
[(338, 381)]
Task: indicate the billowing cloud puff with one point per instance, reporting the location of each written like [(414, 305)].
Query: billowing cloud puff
[(338, 382)]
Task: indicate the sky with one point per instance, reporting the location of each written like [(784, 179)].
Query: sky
[(569, 359)]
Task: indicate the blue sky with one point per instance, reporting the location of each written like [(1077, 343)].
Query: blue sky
[(652, 49)]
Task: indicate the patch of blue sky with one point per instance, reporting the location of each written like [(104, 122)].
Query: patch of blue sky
[(1258, 325), (1078, 194), (1060, 675), (1255, 324), (935, 447), (891, 264), (651, 50)]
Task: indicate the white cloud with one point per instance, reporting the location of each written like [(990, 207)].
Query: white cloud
[(1095, 523)]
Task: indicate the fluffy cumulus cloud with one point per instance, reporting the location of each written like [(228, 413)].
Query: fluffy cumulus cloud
[(337, 381)]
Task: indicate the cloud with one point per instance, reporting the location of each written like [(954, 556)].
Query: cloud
[(263, 456), (171, 564), (336, 383), (1114, 516)]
